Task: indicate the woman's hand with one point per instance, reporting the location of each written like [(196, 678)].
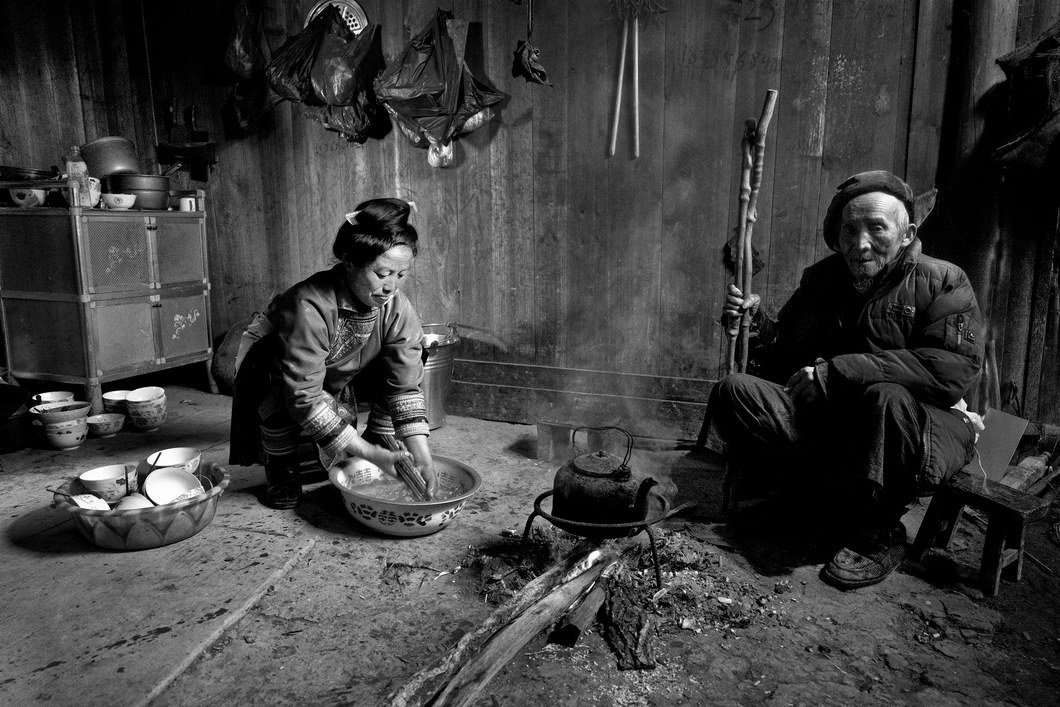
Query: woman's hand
[(417, 444), (383, 458)]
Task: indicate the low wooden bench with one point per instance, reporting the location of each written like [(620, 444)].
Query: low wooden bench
[(556, 439), (1008, 512)]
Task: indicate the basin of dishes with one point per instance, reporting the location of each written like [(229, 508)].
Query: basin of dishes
[(145, 528)]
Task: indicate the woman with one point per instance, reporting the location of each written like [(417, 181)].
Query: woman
[(296, 361)]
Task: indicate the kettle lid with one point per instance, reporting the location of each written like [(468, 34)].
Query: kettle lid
[(600, 463)]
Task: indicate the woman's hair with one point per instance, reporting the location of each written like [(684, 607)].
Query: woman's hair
[(374, 227)]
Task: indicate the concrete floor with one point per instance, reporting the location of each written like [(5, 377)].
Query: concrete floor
[(304, 606)]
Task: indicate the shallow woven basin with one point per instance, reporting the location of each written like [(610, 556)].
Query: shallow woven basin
[(406, 519), (145, 528)]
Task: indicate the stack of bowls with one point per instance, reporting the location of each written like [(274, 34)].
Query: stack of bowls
[(146, 407), (65, 422)]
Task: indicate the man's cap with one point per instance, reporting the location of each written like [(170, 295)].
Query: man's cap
[(879, 180)]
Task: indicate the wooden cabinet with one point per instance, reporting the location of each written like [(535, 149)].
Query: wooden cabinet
[(90, 296)]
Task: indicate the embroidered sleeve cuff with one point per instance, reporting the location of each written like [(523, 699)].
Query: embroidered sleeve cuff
[(379, 421), (328, 429), (406, 415), (409, 411)]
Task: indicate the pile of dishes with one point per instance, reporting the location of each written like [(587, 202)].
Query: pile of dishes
[(66, 422), (26, 196), (167, 497), (145, 407)]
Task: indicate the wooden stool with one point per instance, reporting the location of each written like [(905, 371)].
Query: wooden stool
[(555, 438), (1008, 512)]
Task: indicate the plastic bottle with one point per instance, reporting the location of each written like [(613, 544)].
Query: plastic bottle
[(76, 174)]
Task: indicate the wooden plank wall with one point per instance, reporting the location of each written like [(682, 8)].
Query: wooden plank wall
[(604, 275)]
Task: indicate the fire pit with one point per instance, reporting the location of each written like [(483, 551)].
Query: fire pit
[(596, 496)]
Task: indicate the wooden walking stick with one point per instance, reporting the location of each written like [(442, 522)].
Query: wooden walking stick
[(753, 148), (752, 216)]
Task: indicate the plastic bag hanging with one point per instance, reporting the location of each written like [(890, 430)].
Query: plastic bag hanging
[(430, 93), (291, 67), (525, 61), (331, 69), (250, 98)]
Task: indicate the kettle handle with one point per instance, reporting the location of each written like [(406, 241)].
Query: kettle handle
[(629, 439)]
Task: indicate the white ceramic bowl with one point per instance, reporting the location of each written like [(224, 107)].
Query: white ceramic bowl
[(114, 400), (170, 484), (409, 518), (66, 435), (110, 482), (106, 425), (146, 407), (144, 528), (145, 395), (55, 396), (119, 202), (61, 411), (133, 501), (186, 458), (27, 197)]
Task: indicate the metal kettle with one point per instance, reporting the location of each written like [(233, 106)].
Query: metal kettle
[(599, 488)]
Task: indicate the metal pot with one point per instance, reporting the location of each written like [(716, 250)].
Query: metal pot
[(110, 155), (599, 488), (129, 183)]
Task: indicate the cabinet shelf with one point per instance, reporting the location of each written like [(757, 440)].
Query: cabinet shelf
[(89, 296)]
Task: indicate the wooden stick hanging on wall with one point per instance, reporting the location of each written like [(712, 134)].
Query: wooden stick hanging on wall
[(618, 87), (636, 87)]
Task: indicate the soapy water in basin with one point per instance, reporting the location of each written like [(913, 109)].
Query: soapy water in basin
[(395, 490)]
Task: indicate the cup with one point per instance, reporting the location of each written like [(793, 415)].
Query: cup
[(187, 203)]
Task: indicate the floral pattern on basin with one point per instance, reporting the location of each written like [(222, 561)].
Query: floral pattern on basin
[(407, 519)]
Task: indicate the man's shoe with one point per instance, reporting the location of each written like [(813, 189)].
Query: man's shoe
[(868, 558)]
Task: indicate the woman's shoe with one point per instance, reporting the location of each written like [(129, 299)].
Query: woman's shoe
[(283, 485)]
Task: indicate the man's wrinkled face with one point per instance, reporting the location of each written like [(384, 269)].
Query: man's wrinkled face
[(875, 227)]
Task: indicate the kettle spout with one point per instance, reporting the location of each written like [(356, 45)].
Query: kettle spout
[(640, 506)]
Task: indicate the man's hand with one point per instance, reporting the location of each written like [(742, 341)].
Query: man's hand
[(803, 386), (736, 304)]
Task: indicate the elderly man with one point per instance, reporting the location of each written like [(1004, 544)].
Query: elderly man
[(862, 376)]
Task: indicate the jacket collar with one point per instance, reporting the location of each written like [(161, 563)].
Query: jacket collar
[(836, 275), (344, 298)]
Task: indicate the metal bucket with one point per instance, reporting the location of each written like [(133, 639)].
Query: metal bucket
[(439, 346)]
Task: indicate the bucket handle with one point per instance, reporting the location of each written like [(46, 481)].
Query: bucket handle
[(453, 333)]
